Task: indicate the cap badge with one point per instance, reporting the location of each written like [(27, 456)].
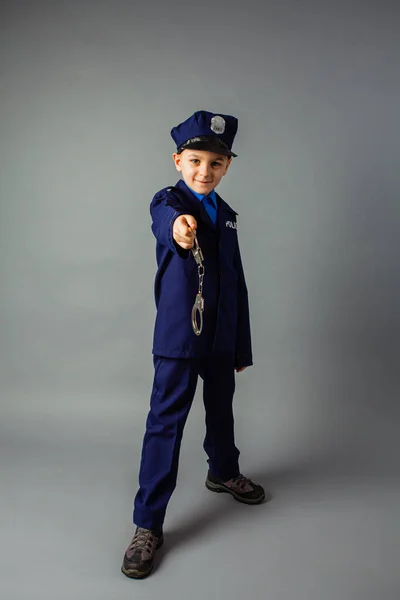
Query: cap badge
[(217, 124)]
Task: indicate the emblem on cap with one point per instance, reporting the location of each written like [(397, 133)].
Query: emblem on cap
[(217, 124)]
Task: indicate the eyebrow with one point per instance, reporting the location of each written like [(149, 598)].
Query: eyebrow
[(192, 155)]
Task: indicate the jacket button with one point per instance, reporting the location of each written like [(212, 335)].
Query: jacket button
[(220, 245)]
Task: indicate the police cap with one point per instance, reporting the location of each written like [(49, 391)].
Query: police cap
[(206, 131)]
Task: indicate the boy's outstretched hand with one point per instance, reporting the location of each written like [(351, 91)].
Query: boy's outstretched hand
[(183, 231)]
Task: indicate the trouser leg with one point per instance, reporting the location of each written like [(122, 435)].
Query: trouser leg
[(219, 387), (174, 387)]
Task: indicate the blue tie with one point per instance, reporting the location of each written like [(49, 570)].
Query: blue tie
[(210, 208)]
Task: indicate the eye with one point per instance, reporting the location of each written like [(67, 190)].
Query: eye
[(216, 163), (194, 160)]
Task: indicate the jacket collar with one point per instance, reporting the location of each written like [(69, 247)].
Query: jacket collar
[(193, 201)]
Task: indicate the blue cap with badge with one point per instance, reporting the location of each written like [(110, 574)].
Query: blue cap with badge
[(206, 131)]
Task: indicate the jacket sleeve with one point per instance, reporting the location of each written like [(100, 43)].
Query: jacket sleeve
[(163, 215), (243, 354)]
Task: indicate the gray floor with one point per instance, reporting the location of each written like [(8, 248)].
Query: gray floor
[(68, 477)]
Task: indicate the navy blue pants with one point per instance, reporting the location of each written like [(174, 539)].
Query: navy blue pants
[(174, 386)]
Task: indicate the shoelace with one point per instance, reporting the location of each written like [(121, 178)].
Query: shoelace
[(143, 540), (241, 481)]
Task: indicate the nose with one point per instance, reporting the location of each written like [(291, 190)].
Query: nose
[(205, 170)]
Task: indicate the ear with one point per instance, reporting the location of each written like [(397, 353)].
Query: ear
[(227, 164), (177, 158)]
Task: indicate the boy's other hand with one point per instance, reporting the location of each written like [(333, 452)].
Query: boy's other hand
[(183, 231), (240, 369)]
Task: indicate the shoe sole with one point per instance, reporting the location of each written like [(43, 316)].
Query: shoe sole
[(134, 574), (215, 487)]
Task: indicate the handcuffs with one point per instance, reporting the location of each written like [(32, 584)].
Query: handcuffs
[(198, 306)]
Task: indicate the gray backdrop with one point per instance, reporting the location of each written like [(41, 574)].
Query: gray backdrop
[(89, 93)]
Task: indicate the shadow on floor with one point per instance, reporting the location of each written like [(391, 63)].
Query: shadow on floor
[(335, 467)]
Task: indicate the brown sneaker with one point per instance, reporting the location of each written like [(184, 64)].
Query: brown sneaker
[(241, 488), (139, 556)]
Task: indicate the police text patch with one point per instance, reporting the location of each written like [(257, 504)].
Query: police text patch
[(231, 224)]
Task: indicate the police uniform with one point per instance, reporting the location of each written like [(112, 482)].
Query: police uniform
[(180, 355)]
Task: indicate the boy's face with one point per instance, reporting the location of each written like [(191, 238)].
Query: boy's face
[(201, 170)]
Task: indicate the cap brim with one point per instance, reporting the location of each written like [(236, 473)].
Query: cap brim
[(209, 146)]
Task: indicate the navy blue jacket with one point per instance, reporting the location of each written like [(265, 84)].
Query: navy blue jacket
[(226, 328)]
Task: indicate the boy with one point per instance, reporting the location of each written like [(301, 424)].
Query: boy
[(179, 214)]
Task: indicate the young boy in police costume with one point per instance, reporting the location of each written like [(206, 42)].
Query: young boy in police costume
[(192, 208)]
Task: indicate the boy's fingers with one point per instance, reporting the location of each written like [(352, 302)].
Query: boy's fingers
[(184, 231), (192, 223), (189, 221)]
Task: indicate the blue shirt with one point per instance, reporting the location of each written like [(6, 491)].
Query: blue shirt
[(211, 207)]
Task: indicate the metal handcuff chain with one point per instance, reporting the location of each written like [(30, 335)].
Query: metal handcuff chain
[(198, 306)]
